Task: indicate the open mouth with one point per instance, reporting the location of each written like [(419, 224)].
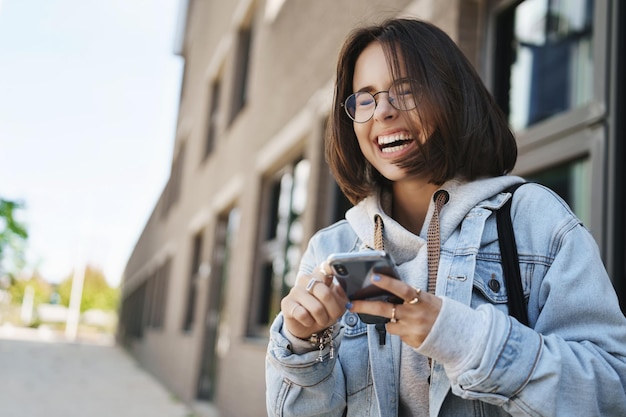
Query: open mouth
[(395, 142)]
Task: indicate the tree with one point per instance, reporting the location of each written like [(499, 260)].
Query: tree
[(43, 290), (97, 294), (13, 235)]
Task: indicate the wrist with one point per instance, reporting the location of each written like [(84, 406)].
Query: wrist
[(322, 337), (323, 340), (320, 341)]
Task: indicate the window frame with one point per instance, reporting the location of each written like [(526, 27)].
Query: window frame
[(572, 134), (263, 291)]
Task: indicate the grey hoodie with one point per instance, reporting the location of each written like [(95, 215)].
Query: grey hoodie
[(410, 250)]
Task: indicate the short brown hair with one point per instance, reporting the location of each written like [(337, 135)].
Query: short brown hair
[(471, 137)]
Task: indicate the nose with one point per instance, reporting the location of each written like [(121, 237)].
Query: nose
[(384, 109)]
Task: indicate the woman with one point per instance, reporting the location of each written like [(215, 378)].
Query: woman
[(417, 142)]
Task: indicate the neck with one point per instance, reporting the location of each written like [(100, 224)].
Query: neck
[(410, 203)]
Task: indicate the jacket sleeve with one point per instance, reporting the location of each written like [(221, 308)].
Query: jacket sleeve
[(573, 360), (300, 384)]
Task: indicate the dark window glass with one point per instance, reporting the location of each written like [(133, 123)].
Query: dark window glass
[(544, 59), (196, 261), (570, 181), (281, 243), (215, 319), (209, 144), (240, 86)]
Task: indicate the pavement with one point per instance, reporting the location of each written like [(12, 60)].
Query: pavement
[(44, 374)]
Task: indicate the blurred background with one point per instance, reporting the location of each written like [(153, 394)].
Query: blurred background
[(88, 100), (163, 160)]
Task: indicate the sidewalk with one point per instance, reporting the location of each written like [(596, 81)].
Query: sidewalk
[(43, 375)]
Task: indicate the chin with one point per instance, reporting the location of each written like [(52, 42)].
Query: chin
[(394, 175)]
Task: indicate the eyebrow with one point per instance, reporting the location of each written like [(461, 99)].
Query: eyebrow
[(369, 88), (366, 89)]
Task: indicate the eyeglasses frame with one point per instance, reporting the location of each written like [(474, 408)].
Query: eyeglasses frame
[(416, 98)]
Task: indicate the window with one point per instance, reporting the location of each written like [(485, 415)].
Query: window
[(544, 59), (280, 242), (157, 290), (570, 181), (194, 277), (132, 314), (242, 61), (144, 307), (171, 193), (216, 332), (214, 94)]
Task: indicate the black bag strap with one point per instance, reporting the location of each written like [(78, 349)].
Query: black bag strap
[(510, 260)]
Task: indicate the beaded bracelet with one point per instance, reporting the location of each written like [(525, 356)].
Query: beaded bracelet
[(323, 339)]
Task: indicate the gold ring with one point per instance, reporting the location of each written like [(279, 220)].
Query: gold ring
[(393, 318), (294, 309), (311, 284), (416, 299)]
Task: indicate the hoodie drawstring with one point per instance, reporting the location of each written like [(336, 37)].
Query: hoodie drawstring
[(433, 247), (433, 239)]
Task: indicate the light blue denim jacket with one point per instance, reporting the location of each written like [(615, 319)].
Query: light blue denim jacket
[(572, 362)]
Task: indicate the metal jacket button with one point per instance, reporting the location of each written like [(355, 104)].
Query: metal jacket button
[(351, 319), (494, 284)]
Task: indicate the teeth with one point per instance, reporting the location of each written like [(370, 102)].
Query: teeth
[(384, 140), (397, 148)]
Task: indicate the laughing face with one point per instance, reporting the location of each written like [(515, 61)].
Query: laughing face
[(385, 137)]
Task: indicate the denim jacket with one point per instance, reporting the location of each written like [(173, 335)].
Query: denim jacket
[(570, 362)]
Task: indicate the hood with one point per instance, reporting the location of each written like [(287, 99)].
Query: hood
[(401, 243)]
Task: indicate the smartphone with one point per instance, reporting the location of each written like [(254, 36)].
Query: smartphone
[(353, 271)]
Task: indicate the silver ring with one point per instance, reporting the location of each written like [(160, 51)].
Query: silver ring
[(311, 284), (393, 315), (294, 309), (323, 266), (416, 299)]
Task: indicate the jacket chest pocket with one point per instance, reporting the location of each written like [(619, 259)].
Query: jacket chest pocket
[(489, 285)]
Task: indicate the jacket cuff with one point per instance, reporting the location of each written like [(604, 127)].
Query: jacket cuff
[(304, 369), (297, 345), (458, 337), (478, 349)]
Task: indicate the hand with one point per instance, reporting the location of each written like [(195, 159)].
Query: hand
[(413, 319), (314, 303)]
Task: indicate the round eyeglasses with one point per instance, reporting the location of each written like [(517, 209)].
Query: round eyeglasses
[(361, 105)]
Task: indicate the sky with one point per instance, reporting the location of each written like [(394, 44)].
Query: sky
[(89, 95)]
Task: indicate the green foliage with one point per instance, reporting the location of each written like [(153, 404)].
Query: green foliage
[(13, 234), (97, 294), (43, 290)]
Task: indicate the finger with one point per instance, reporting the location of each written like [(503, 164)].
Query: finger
[(316, 310), (328, 294), (396, 287), (298, 321), (325, 273), (375, 308), (324, 303), (416, 297), (310, 286), (292, 312)]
